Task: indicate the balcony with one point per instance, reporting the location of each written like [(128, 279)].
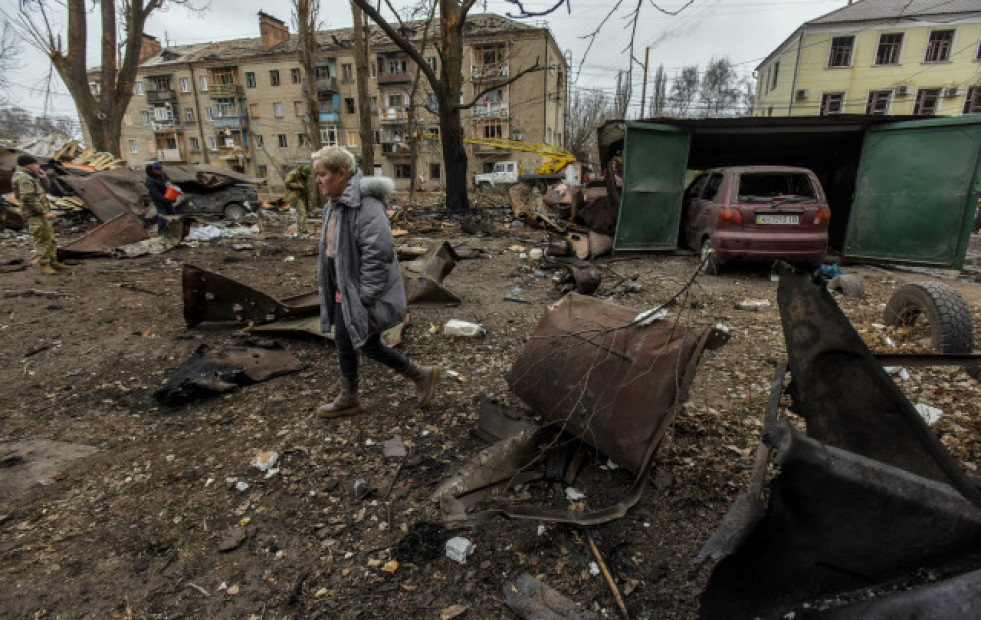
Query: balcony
[(330, 117), (232, 152), (396, 149), (393, 115), (326, 85), (396, 78), (171, 155), (490, 110), (484, 149), (230, 122), (161, 96), (170, 125), (225, 91), (489, 72)]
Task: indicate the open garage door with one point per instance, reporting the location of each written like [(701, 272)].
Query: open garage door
[(655, 159), (916, 192)]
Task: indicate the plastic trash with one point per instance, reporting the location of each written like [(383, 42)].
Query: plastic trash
[(463, 329), (458, 548)]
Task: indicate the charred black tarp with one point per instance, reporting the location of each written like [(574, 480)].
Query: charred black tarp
[(869, 500), (207, 373)]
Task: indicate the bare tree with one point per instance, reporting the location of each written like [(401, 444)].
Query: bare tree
[(361, 74), (659, 99), (447, 87), (621, 98), (684, 90), (719, 90), (16, 122), (9, 52), (306, 12), (588, 109), (100, 109), (413, 118)]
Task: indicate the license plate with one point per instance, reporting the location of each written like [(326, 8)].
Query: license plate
[(777, 219)]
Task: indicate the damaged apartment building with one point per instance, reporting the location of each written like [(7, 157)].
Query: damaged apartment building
[(239, 104)]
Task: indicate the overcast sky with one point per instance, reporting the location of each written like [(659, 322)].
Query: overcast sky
[(743, 30)]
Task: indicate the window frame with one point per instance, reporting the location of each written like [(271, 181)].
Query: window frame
[(274, 77), (921, 95), (134, 146), (938, 48), (185, 84), (876, 96), (250, 79), (278, 109), (972, 100), (283, 140), (840, 56), (826, 101), (195, 143), (894, 49), (296, 75)]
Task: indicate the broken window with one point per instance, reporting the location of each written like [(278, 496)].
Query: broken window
[(283, 140), (347, 74), (889, 48), (185, 85), (189, 114), (321, 72), (139, 89), (302, 139), (213, 143), (878, 102), (938, 47), (349, 105), (298, 109), (841, 52), (295, 76), (711, 190), (204, 83), (972, 101), (274, 77), (927, 101), (224, 76), (326, 106), (262, 170), (145, 116), (432, 63), (395, 100), (250, 79), (396, 66), (133, 147), (493, 130), (254, 110), (258, 140), (832, 103), (403, 171), (770, 184)]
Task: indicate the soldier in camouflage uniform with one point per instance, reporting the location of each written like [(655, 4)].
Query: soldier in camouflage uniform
[(296, 194), (34, 206)]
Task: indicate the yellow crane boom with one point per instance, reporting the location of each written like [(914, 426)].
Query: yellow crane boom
[(555, 159)]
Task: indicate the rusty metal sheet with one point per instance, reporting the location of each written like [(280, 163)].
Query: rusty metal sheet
[(212, 297), (423, 277), (844, 395), (613, 383), (241, 362), (121, 230), (596, 210), (111, 192), (209, 176)]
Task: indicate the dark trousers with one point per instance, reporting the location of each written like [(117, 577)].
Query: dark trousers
[(164, 210), (347, 355)]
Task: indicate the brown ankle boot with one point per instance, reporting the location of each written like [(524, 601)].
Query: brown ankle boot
[(345, 404), (47, 270), (425, 378)]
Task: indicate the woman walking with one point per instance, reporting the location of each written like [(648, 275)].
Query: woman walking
[(361, 290)]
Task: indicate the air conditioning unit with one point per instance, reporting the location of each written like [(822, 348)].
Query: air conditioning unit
[(952, 91), (803, 93), (903, 89)]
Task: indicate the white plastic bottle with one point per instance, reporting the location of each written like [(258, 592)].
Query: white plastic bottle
[(463, 329)]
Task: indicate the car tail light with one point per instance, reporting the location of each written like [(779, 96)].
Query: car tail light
[(823, 215), (733, 216)]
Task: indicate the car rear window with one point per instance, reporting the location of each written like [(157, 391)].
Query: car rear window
[(764, 186)]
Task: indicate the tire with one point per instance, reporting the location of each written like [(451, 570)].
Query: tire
[(935, 311), (710, 265), (849, 285), (234, 212)]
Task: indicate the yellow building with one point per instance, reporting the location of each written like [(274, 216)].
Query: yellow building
[(920, 57)]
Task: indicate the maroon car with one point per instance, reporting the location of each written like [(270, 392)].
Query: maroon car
[(756, 213)]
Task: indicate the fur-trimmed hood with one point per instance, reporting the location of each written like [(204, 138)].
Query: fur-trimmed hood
[(361, 186)]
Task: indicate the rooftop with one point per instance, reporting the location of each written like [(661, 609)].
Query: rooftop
[(865, 10)]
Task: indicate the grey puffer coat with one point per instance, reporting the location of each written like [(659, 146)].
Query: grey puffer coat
[(366, 269)]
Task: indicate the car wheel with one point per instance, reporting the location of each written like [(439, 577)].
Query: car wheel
[(234, 212), (932, 313), (709, 261)]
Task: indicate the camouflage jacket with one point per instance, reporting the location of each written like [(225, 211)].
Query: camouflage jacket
[(29, 192), (296, 184)]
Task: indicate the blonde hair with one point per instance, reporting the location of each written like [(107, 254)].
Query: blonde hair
[(336, 159)]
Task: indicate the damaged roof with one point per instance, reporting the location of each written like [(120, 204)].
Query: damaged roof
[(483, 24), (865, 10)]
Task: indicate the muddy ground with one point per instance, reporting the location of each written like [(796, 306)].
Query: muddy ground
[(132, 526)]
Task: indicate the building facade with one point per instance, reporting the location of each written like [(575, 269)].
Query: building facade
[(240, 104), (899, 57)]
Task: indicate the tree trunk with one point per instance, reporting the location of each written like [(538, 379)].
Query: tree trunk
[(452, 19), (306, 17), (364, 104)]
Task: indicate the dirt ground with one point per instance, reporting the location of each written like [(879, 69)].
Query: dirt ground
[(132, 529)]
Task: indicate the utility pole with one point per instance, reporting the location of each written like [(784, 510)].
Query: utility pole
[(643, 88)]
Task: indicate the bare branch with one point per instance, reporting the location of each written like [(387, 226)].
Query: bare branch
[(514, 78)]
